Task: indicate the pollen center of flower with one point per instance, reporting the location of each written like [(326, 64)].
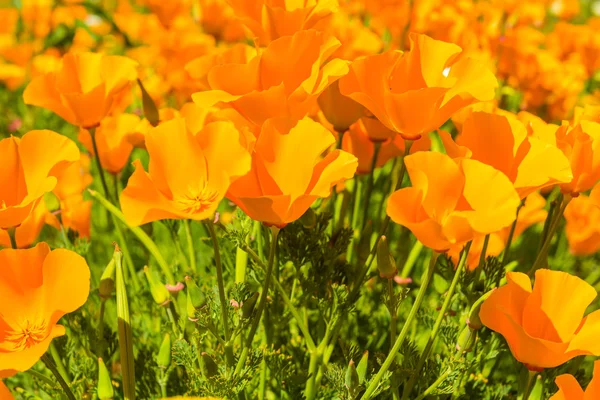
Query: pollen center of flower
[(26, 335), (197, 200)]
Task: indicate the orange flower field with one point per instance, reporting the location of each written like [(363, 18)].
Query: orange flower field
[(300, 199)]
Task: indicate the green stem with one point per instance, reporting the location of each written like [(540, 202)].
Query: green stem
[(508, 244), (107, 193), (412, 259), (434, 385), (543, 253), (262, 302), (438, 322), (190, 244), (12, 234), (59, 363), (50, 365), (288, 302), (171, 318), (370, 184), (41, 377), (529, 386), (241, 263), (100, 328), (311, 387), (407, 324), (393, 328), (137, 232), (220, 281)]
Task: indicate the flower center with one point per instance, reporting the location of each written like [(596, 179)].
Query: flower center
[(197, 200), (28, 334)]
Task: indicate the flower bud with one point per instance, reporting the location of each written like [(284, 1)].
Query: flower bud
[(361, 369), (105, 389), (249, 304), (209, 367), (385, 262), (309, 219), (364, 244), (164, 353), (194, 293), (352, 380), (158, 290), (466, 340), (107, 281)]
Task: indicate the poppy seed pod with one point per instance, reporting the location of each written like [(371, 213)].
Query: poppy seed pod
[(105, 388), (361, 368), (164, 353), (385, 262)]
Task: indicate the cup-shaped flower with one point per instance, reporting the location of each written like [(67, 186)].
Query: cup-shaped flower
[(544, 326), (341, 111), (29, 168), (569, 389), (189, 172), (502, 141), (271, 19), (415, 92), (30, 228), (581, 146), (113, 140), (85, 88), (38, 287), (284, 80), (288, 171), (583, 225), (452, 201)]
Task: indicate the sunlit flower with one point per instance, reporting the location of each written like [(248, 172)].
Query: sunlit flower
[(544, 325)]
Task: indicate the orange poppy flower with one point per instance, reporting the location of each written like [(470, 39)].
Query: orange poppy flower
[(339, 110), (452, 201), (415, 92), (288, 173), (357, 141), (189, 173), (531, 213), (284, 80), (569, 389), (4, 392), (29, 230), (86, 88), (42, 286), (581, 146), (583, 225), (272, 19), (502, 141), (544, 326), (28, 169), (113, 140)]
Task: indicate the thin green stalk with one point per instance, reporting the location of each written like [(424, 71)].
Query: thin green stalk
[(59, 364), (482, 257), (438, 322), (100, 328), (310, 390), (370, 184), (288, 302), (221, 284), (412, 259), (162, 382), (434, 385), (190, 244), (529, 386), (407, 324), (50, 365), (138, 233), (12, 234), (393, 327), (543, 253), (262, 302), (511, 234), (262, 386), (41, 377), (124, 330), (107, 193)]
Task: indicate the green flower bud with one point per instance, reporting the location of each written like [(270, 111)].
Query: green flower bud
[(249, 304), (385, 262), (195, 295), (466, 340), (164, 354), (309, 219), (105, 389), (364, 244), (107, 281), (352, 380), (361, 369), (159, 291), (209, 367)]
